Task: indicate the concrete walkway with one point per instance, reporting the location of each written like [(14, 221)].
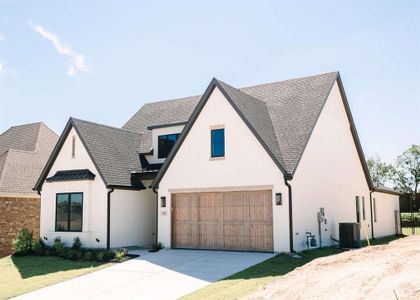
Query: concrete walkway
[(167, 274)]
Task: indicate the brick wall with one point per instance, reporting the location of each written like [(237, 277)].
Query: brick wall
[(15, 214)]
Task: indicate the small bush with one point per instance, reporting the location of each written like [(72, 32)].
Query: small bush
[(23, 242), (120, 254), (38, 247), (156, 247), (77, 244), (59, 246), (100, 255), (88, 255)]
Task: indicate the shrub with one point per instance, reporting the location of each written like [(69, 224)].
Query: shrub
[(156, 247), (88, 255), (100, 255), (38, 247), (23, 242), (58, 246), (77, 244), (120, 254)]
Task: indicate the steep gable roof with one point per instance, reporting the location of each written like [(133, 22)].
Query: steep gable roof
[(112, 150), (282, 115), (24, 151)]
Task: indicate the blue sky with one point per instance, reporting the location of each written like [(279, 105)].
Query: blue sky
[(101, 60)]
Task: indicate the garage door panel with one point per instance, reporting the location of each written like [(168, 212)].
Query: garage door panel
[(223, 220)]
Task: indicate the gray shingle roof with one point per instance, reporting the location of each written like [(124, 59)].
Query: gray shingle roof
[(24, 150), (283, 113), (160, 113), (113, 150)]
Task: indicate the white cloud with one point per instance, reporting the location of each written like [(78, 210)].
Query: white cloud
[(1, 37), (77, 60)]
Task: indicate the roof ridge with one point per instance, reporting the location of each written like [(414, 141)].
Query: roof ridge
[(104, 125), (286, 80)]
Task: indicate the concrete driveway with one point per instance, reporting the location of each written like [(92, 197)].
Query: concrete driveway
[(167, 274)]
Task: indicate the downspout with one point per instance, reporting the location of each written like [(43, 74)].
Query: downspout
[(286, 178), (371, 214), (157, 212), (108, 219)]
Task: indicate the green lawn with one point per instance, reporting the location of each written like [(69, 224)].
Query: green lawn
[(251, 279), (19, 275)]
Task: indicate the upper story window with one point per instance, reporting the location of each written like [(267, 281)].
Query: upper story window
[(69, 212), (165, 144), (218, 142)]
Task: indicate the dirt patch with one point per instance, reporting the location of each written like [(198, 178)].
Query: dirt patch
[(389, 271)]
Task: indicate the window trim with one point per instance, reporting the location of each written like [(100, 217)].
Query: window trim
[(217, 157), (68, 214), (158, 138)]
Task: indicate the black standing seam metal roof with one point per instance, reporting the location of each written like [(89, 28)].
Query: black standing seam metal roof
[(67, 175)]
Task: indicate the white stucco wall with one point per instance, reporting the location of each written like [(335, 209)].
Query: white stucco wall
[(94, 198), (133, 217), (386, 205), (246, 166), (329, 175)]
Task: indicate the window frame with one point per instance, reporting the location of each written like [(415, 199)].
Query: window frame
[(212, 130), (69, 211), (158, 146)]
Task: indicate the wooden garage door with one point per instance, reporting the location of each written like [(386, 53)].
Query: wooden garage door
[(223, 220)]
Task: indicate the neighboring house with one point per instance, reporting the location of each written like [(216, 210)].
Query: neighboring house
[(24, 150), (234, 169)]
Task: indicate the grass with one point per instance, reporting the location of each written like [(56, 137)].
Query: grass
[(253, 278), (22, 274)]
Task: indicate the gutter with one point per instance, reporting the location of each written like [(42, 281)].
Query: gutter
[(371, 214), (108, 219), (286, 178), (157, 212)]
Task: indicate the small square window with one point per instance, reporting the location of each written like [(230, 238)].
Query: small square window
[(218, 142), (163, 201)]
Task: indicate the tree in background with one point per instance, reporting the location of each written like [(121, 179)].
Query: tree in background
[(380, 171), (407, 174)]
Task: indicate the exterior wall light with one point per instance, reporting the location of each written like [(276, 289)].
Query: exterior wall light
[(278, 199), (163, 201)]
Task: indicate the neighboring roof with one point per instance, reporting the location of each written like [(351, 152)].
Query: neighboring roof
[(83, 174), (282, 115), (113, 152), (24, 150), (387, 190)]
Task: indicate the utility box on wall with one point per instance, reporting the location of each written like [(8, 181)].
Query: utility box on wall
[(349, 235)]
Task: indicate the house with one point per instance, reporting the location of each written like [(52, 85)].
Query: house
[(24, 150), (261, 168)]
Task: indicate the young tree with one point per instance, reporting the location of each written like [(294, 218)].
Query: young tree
[(380, 172), (407, 173)]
